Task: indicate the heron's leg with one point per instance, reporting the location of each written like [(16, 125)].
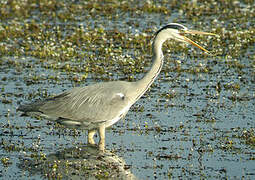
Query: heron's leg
[(102, 138), (91, 134)]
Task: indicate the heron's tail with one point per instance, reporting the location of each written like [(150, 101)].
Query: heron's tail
[(31, 107)]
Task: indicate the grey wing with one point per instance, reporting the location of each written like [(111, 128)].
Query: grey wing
[(91, 104)]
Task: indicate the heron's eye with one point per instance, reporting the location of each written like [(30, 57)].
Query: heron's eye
[(181, 31)]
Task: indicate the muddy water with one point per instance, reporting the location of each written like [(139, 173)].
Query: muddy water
[(196, 121)]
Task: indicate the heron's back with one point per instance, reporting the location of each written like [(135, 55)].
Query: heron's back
[(87, 107)]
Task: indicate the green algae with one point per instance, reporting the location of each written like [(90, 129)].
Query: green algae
[(72, 38)]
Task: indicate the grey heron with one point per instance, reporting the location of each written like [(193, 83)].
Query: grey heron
[(98, 106)]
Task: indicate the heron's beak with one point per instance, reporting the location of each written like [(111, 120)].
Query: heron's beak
[(196, 32)]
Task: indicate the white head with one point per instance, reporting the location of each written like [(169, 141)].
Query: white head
[(176, 32)]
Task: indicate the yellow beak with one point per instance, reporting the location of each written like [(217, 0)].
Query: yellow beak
[(196, 32)]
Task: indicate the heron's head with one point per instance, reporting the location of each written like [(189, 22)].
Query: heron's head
[(177, 32)]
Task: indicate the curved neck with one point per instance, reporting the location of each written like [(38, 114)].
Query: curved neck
[(151, 75)]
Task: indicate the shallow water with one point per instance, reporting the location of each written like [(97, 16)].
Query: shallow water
[(195, 122)]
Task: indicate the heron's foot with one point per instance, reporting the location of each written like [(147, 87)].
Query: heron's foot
[(91, 141), (91, 134), (101, 147), (102, 138)]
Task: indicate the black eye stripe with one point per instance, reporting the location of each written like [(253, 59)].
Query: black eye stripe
[(172, 26)]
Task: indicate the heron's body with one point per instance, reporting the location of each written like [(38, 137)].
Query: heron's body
[(99, 106), (87, 107)]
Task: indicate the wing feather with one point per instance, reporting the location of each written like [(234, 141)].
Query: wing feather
[(96, 103)]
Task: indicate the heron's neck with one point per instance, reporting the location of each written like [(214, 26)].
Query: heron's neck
[(151, 75)]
